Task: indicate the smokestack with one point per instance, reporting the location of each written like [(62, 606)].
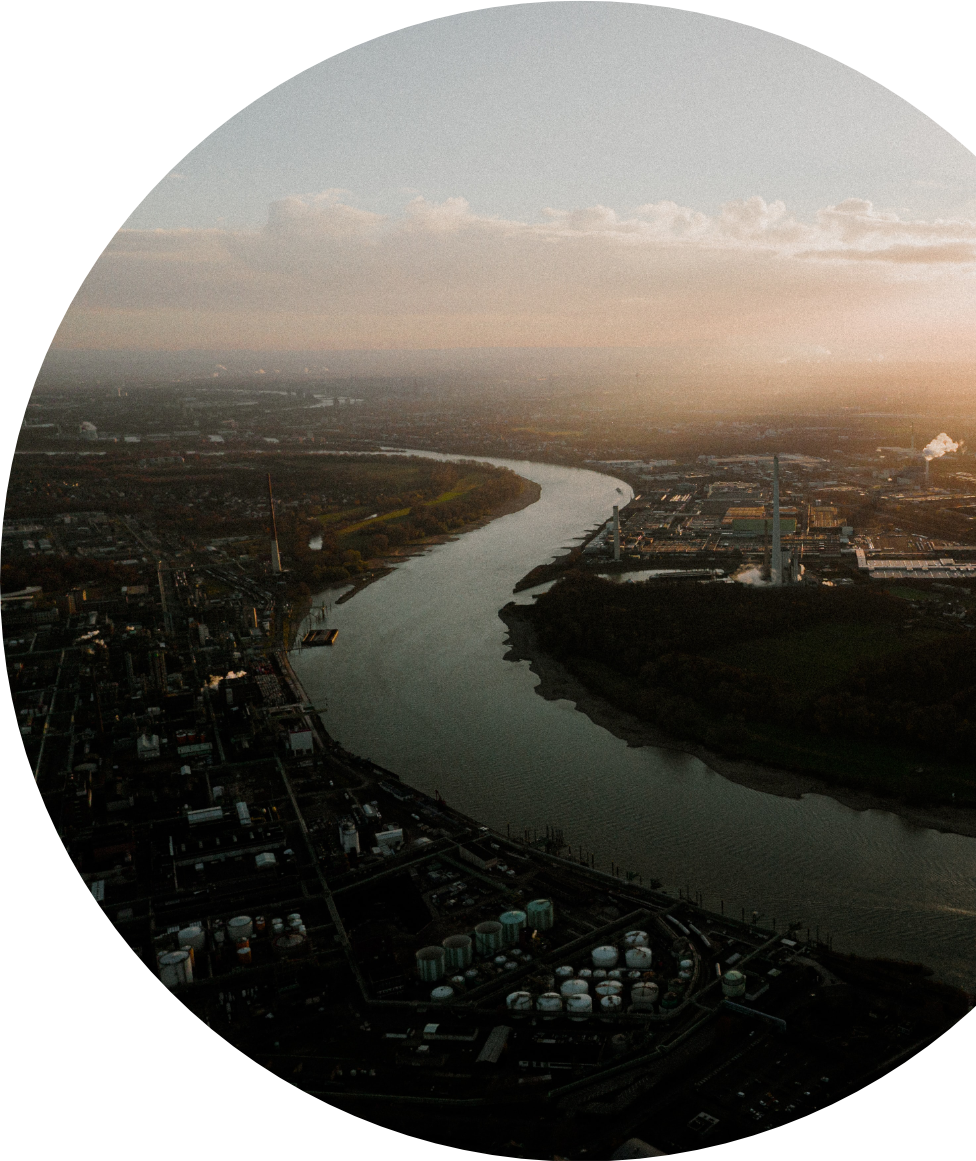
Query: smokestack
[(776, 558), (275, 555), (616, 532), (164, 607)]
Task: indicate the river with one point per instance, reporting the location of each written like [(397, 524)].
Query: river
[(417, 681)]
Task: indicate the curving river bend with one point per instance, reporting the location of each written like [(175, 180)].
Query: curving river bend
[(417, 681)]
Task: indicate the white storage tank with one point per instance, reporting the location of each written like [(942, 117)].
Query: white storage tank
[(644, 996), (291, 944), (639, 958), (193, 936), (611, 1005), (430, 963), (686, 965), (579, 1007), (550, 1004), (609, 988), (604, 957), (442, 994), (458, 983), (488, 937), (573, 987), (459, 951), (240, 927), (636, 939), (519, 1002), (513, 924), (564, 972), (733, 984), (175, 968), (540, 914)]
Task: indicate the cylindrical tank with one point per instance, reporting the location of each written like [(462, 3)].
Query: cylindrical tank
[(540, 914), (639, 958), (634, 975), (458, 983), (685, 977), (599, 974), (609, 988), (584, 973), (291, 944), (610, 1005), (513, 924), (615, 974), (442, 993), (295, 918), (573, 987), (509, 965), (471, 975), (671, 1000), (564, 972), (458, 950), (500, 961), (733, 984), (579, 1007), (194, 937), (259, 923), (519, 1002), (175, 968), (549, 1004), (604, 957), (430, 963), (636, 939), (240, 927), (644, 996), (488, 937), (243, 954), (686, 965)]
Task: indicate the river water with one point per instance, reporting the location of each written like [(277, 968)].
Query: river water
[(417, 681)]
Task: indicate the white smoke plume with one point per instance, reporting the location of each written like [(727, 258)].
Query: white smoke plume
[(939, 446), (752, 576)]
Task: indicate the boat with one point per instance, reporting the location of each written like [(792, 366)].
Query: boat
[(320, 637)]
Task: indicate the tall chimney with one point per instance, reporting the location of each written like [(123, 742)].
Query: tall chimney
[(616, 532), (776, 558), (275, 555)]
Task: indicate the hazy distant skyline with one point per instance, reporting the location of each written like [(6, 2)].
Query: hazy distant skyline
[(558, 175)]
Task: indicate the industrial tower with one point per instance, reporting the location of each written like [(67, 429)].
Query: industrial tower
[(776, 557), (275, 554)]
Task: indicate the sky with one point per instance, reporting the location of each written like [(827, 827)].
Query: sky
[(598, 175)]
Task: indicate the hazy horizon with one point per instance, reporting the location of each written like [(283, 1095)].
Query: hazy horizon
[(584, 177)]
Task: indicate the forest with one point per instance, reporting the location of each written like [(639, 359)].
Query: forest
[(844, 681)]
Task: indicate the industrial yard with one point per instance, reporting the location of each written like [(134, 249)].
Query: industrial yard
[(397, 959)]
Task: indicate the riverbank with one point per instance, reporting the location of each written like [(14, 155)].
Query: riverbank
[(528, 494), (556, 683)]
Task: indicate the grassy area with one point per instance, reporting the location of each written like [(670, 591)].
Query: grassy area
[(461, 488), (343, 514), (822, 655), (909, 594), (396, 515)]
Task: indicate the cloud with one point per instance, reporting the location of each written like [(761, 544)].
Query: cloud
[(323, 272), (950, 252)]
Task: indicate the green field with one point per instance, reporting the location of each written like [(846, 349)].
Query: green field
[(821, 656)]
